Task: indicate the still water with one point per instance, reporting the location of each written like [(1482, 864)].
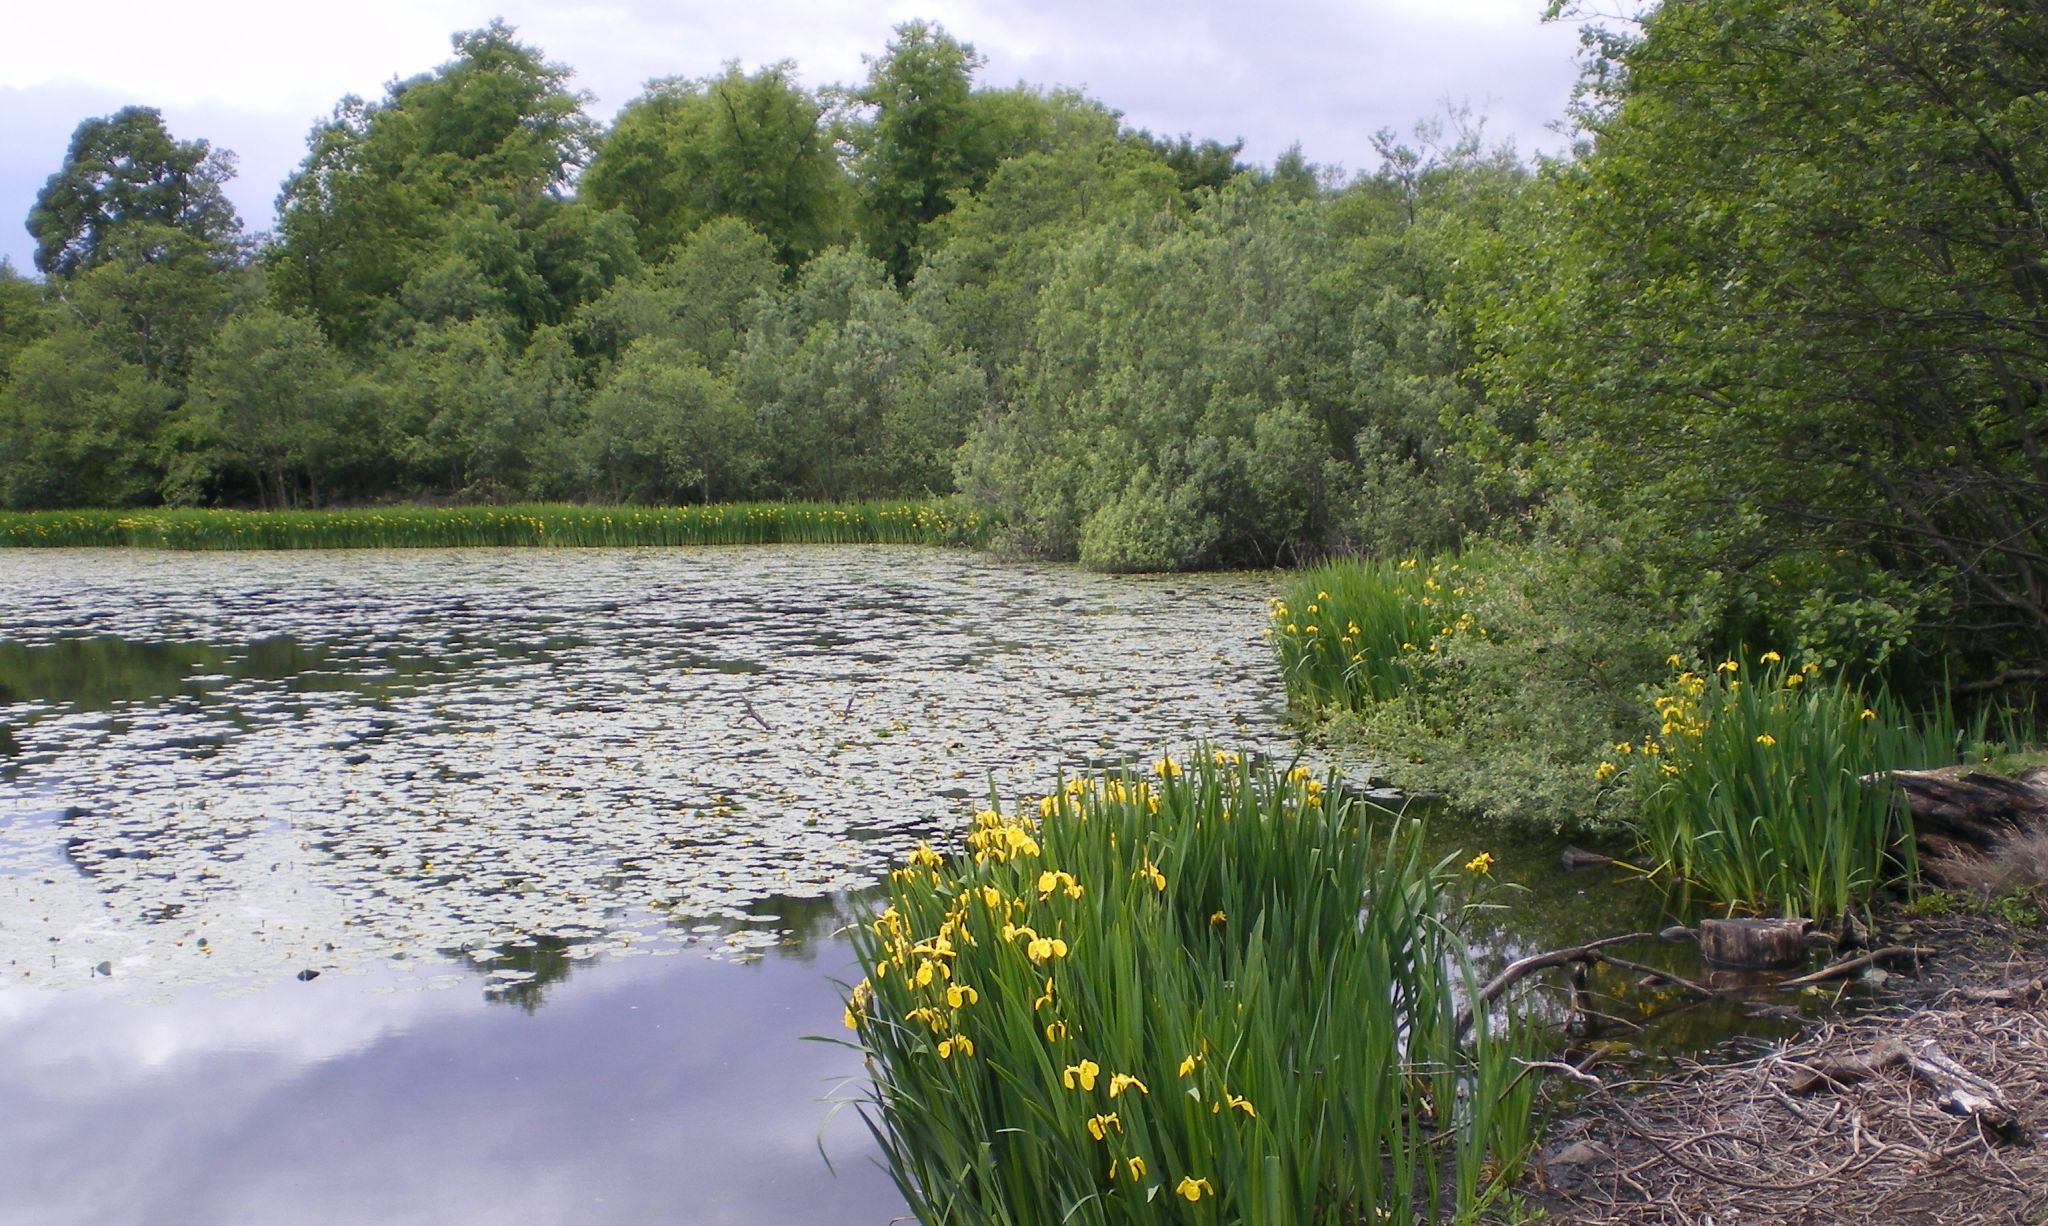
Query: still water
[(357, 886), (450, 887)]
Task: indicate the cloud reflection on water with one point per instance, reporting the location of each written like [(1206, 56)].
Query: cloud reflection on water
[(648, 1090)]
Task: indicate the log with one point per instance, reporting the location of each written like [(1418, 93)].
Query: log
[(1958, 1090), (1754, 942), (1961, 805)]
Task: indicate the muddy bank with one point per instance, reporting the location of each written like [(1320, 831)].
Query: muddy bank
[(1763, 1140)]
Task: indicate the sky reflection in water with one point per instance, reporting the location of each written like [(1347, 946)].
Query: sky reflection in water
[(502, 802), (647, 1090)]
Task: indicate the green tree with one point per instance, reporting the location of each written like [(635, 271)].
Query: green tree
[(124, 170), (663, 429), (922, 144), (1793, 304), (704, 297), (1174, 359), (25, 316), (270, 401), (411, 186), (78, 426), (855, 395), (752, 147), (154, 294)]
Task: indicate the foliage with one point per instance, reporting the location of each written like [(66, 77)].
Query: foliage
[(852, 392), (1791, 301), (1216, 992), (1758, 782), (1352, 634), (268, 404), (126, 170), (449, 176), (877, 523), (750, 147)]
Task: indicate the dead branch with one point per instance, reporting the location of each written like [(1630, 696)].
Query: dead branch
[(1835, 970)]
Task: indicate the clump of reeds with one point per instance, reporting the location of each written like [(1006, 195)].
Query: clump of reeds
[(884, 523), (1352, 633), (1764, 783), (1211, 992)]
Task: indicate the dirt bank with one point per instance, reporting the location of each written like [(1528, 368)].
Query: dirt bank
[(1766, 1141)]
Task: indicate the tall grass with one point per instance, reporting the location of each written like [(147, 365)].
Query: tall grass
[(1352, 633), (1763, 783), (1211, 993), (889, 523)]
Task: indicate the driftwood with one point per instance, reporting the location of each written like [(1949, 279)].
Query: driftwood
[(1849, 966), (1753, 942), (1960, 1092)]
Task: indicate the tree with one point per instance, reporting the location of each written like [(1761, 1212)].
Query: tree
[(24, 316), (854, 394), (1210, 164), (751, 147), (125, 170), (1174, 361), (388, 188), (268, 397), (78, 426), (704, 297), (155, 295), (1794, 304), (919, 148), (663, 429)]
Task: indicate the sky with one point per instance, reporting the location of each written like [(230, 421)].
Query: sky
[(254, 75)]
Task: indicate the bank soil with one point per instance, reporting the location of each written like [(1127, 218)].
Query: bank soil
[(1929, 1105)]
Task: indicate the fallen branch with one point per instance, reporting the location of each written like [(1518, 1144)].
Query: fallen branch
[(1835, 970), (1961, 1092), (1522, 968)]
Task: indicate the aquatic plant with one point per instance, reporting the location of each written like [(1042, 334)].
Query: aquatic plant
[(886, 523), (1762, 781), (1352, 633), (1207, 991)]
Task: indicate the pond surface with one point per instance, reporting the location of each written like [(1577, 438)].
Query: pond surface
[(360, 886), (349, 886)]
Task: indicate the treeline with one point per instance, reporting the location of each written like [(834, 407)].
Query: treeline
[(1762, 361), (1143, 351)]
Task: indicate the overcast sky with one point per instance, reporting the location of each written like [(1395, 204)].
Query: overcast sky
[(253, 75)]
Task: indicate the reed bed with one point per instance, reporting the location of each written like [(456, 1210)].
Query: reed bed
[(1349, 634), (882, 523), (1763, 782), (1211, 992)]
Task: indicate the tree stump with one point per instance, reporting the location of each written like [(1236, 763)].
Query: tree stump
[(1754, 942)]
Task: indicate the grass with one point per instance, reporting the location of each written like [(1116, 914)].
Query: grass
[(1205, 993), (886, 523), (1349, 634), (1761, 786)]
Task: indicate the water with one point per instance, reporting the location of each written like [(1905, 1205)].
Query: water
[(455, 886), (376, 886)]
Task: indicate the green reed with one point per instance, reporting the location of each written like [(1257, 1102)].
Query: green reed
[(1204, 993), (1352, 633), (885, 523), (1764, 783)]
